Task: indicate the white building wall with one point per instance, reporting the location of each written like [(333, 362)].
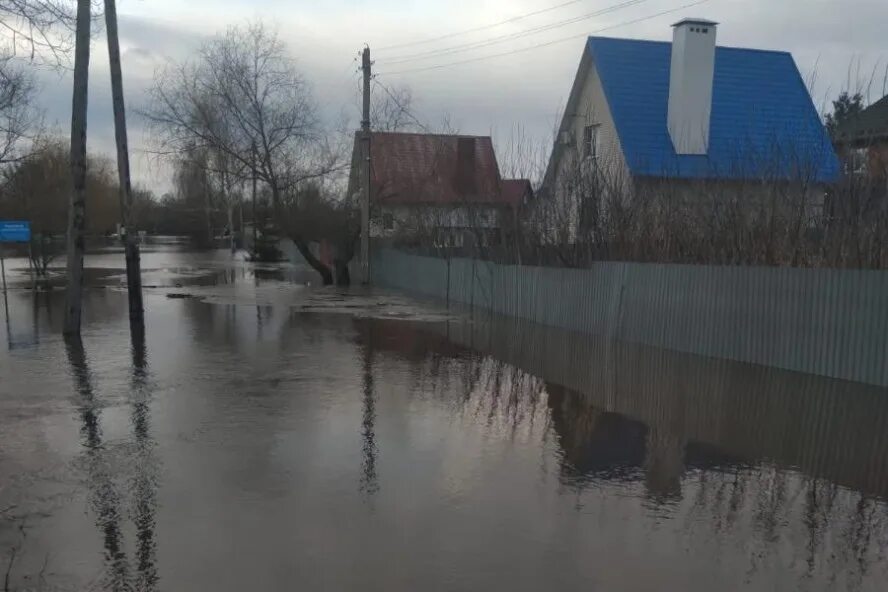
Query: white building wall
[(588, 106)]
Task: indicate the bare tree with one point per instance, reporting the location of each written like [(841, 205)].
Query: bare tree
[(244, 90), (38, 28), (38, 187), (391, 110), (18, 116)]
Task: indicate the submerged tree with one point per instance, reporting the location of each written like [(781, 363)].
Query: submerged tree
[(38, 187), (245, 102)]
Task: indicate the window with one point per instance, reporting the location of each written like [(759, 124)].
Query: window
[(388, 221), (590, 141)]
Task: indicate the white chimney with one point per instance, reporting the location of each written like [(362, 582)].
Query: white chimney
[(690, 85)]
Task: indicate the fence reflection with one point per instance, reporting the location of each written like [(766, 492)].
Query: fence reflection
[(733, 452)]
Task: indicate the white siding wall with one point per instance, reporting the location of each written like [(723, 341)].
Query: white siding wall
[(592, 108), (588, 106)]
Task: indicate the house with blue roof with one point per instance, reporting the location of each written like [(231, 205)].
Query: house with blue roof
[(689, 113)]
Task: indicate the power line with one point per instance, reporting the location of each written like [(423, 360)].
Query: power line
[(516, 35), (548, 43), (481, 28)]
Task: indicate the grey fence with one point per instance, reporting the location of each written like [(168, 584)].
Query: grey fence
[(817, 321)]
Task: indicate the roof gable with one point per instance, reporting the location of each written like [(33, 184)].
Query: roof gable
[(426, 168), (429, 169), (763, 123)]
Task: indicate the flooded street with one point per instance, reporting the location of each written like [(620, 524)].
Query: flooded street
[(265, 434)]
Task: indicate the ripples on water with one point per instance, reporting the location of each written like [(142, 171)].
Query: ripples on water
[(265, 436)]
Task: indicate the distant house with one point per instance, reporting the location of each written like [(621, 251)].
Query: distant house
[(862, 141), (441, 190), (688, 113)]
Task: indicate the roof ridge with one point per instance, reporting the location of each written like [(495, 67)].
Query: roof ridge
[(660, 42), (429, 134)]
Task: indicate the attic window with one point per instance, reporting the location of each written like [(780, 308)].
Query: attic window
[(590, 141)]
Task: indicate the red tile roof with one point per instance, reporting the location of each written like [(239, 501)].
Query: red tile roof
[(409, 168)]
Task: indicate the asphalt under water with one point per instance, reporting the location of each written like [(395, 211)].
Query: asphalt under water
[(267, 435)]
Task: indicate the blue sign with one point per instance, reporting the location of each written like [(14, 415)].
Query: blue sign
[(15, 231)]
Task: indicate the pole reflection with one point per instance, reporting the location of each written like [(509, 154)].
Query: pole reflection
[(105, 500), (145, 479), (369, 484), (105, 495)]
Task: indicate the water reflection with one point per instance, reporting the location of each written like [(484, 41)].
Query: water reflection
[(369, 482), (747, 460), (105, 499), (514, 456), (103, 470), (144, 487)]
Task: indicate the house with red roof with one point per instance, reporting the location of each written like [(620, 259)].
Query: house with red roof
[(438, 190)]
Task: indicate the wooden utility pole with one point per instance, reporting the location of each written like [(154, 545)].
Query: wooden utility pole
[(131, 238), (366, 66), (77, 205)]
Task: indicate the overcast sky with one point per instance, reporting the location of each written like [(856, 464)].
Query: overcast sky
[(485, 97)]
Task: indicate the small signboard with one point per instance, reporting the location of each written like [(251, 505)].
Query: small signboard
[(15, 231)]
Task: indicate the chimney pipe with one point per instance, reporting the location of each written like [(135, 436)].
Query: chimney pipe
[(690, 85)]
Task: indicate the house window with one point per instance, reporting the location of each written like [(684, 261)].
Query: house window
[(388, 221), (590, 141)]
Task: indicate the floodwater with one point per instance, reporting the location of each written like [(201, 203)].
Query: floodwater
[(268, 435)]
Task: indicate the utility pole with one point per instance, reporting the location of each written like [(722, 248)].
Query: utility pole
[(366, 66), (131, 238), (77, 205)]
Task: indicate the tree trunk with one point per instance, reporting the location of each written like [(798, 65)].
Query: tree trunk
[(301, 245), (208, 207), (77, 206), (317, 264), (227, 199), (131, 248)]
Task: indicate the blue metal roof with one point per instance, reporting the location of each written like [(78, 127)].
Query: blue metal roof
[(763, 124)]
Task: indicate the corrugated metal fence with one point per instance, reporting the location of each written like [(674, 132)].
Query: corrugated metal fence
[(818, 321)]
